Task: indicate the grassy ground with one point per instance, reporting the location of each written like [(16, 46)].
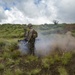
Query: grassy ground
[(13, 63)]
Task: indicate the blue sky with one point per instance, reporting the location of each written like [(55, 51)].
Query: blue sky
[(37, 11), (37, 1)]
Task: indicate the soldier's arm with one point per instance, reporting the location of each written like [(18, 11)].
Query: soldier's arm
[(31, 32)]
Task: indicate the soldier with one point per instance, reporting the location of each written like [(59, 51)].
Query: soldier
[(30, 36)]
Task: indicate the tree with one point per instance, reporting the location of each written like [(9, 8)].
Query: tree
[(55, 22)]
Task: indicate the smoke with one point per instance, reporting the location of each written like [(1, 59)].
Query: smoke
[(53, 42), (45, 45), (23, 47)]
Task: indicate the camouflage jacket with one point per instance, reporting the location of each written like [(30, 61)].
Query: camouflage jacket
[(30, 34)]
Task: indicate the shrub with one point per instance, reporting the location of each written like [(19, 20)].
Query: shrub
[(2, 44), (57, 57), (6, 55), (15, 54), (66, 58), (62, 71), (33, 72), (18, 72), (13, 46), (17, 61), (31, 58), (10, 62), (45, 63), (1, 66), (8, 72), (36, 71)]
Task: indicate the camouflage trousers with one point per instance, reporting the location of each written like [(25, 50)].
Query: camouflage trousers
[(32, 47)]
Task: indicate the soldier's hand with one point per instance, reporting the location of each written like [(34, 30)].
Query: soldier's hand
[(25, 39)]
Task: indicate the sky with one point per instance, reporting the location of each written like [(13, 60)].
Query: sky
[(37, 11)]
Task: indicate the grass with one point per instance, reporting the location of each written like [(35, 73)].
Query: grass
[(1, 66), (18, 72), (12, 63), (45, 63), (66, 58), (62, 71), (33, 72), (8, 72)]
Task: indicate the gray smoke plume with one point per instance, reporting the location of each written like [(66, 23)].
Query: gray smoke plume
[(23, 47), (44, 45)]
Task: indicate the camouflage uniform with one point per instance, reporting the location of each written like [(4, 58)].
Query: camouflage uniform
[(31, 40)]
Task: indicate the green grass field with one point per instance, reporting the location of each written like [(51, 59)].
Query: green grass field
[(13, 63)]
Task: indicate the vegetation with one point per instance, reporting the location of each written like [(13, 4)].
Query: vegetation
[(12, 63), (55, 22)]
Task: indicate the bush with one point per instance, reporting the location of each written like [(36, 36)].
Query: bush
[(15, 54), (13, 46), (17, 61), (33, 72), (66, 58), (18, 72), (1, 66), (8, 72), (2, 44), (10, 62), (31, 58), (46, 63), (62, 71), (6, 55)]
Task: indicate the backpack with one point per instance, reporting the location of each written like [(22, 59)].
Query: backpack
[(34, 34)]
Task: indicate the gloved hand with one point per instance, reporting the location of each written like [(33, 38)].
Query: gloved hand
[(26, 40)]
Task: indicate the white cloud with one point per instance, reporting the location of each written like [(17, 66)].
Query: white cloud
[(2, 14), (44, 12), (14, 16), (37, 12), (66, 11)]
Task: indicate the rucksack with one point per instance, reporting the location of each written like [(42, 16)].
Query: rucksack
[(34, 34)]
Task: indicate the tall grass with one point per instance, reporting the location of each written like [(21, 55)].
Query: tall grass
[(12, 63)]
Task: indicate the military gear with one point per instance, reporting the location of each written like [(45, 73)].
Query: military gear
[(30, 36), (34, 34)]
